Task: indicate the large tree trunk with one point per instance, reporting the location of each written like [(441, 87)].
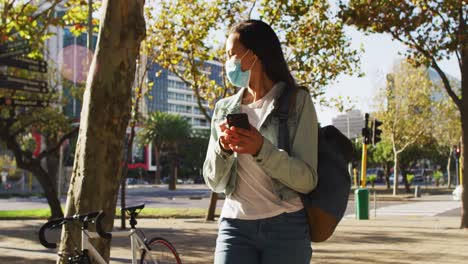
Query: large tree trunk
[(25, 161), (104, 118), (127, 160), (52, 160), (49, 187), (212, 207), (464, 122), (464, 162), (395, 174)]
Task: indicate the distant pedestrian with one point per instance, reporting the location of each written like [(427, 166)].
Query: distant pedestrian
[(437, 175), (4, 175), (263, 219)]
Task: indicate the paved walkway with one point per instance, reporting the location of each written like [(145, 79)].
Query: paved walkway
[(419, 208), (403, 240)]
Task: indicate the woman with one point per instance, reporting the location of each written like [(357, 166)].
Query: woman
[(263, 219)]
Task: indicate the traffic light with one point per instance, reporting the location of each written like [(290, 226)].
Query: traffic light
[(366, 131), (457, 152), (376, 138)]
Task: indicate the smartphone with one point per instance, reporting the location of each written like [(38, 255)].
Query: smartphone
[(240, 120)]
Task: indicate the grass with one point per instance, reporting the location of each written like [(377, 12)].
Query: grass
[(25, 214), (145, 213)]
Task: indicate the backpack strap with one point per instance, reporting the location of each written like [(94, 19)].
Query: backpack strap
[(287, 99)]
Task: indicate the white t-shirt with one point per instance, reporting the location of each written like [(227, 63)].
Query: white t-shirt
[(254, 197)]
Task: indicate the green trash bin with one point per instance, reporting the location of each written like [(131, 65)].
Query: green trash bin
[(361, 198)]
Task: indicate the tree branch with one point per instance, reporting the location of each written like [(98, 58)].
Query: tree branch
[(447, 86), (56, 147), (434, 64), (49, 16), (196, 87), (251, 9), (273, 19)]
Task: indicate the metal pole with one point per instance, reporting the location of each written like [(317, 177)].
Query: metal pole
[(364, 165), (375, 204)]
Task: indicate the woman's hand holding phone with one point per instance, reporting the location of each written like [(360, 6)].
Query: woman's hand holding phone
[(245, 141), (223, 138)]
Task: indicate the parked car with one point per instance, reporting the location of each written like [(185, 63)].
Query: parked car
[(132, 181), (199, 180), (400, 178)]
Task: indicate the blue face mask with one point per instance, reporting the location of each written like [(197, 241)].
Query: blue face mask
[(235, 74)]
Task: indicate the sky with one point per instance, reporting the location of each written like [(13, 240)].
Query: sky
[(379, 57)]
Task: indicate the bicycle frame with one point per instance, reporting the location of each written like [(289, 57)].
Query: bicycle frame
[(137, 244)]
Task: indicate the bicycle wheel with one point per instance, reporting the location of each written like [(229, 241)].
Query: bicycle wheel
[(160, 251)]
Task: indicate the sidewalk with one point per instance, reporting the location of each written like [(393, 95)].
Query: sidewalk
[(382, 240)]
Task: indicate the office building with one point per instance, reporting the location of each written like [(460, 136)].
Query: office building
[(350, 124)]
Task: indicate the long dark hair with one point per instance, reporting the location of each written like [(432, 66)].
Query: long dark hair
[(259, 37)]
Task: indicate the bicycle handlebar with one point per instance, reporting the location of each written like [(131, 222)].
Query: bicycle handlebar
[(54, 223), (50, 224)]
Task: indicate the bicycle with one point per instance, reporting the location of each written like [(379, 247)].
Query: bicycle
[(156, 250)]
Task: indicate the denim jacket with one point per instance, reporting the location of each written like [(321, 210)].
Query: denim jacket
[(289, 174)]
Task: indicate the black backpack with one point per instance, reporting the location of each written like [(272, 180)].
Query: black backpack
[(326, 204)]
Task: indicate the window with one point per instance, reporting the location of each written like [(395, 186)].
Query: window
[(177, 85), (200, 122), (176, 96)]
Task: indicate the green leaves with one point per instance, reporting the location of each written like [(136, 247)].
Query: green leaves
[(429, 29), (406, 106), (161, 128), (182, 36)]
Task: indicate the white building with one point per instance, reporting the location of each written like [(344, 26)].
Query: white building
[(350, 124)]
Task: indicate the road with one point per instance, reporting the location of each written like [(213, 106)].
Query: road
[(197, 196)]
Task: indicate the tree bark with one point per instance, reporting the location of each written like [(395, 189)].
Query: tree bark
[(52, 161), (464, 122), (104, 118), (25, 161), (464, 164), (49, 187), (395, 174), (212, 207)]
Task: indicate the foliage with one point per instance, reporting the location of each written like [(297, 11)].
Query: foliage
[(406, 106), (446, 120), (164, 129), (317, 49), (76, 16), (22, 20), (430, 30), (194, 152), (182, 36), (371, 178), (382, 153)]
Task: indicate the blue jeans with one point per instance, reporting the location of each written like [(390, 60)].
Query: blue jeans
[(279, 239)]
